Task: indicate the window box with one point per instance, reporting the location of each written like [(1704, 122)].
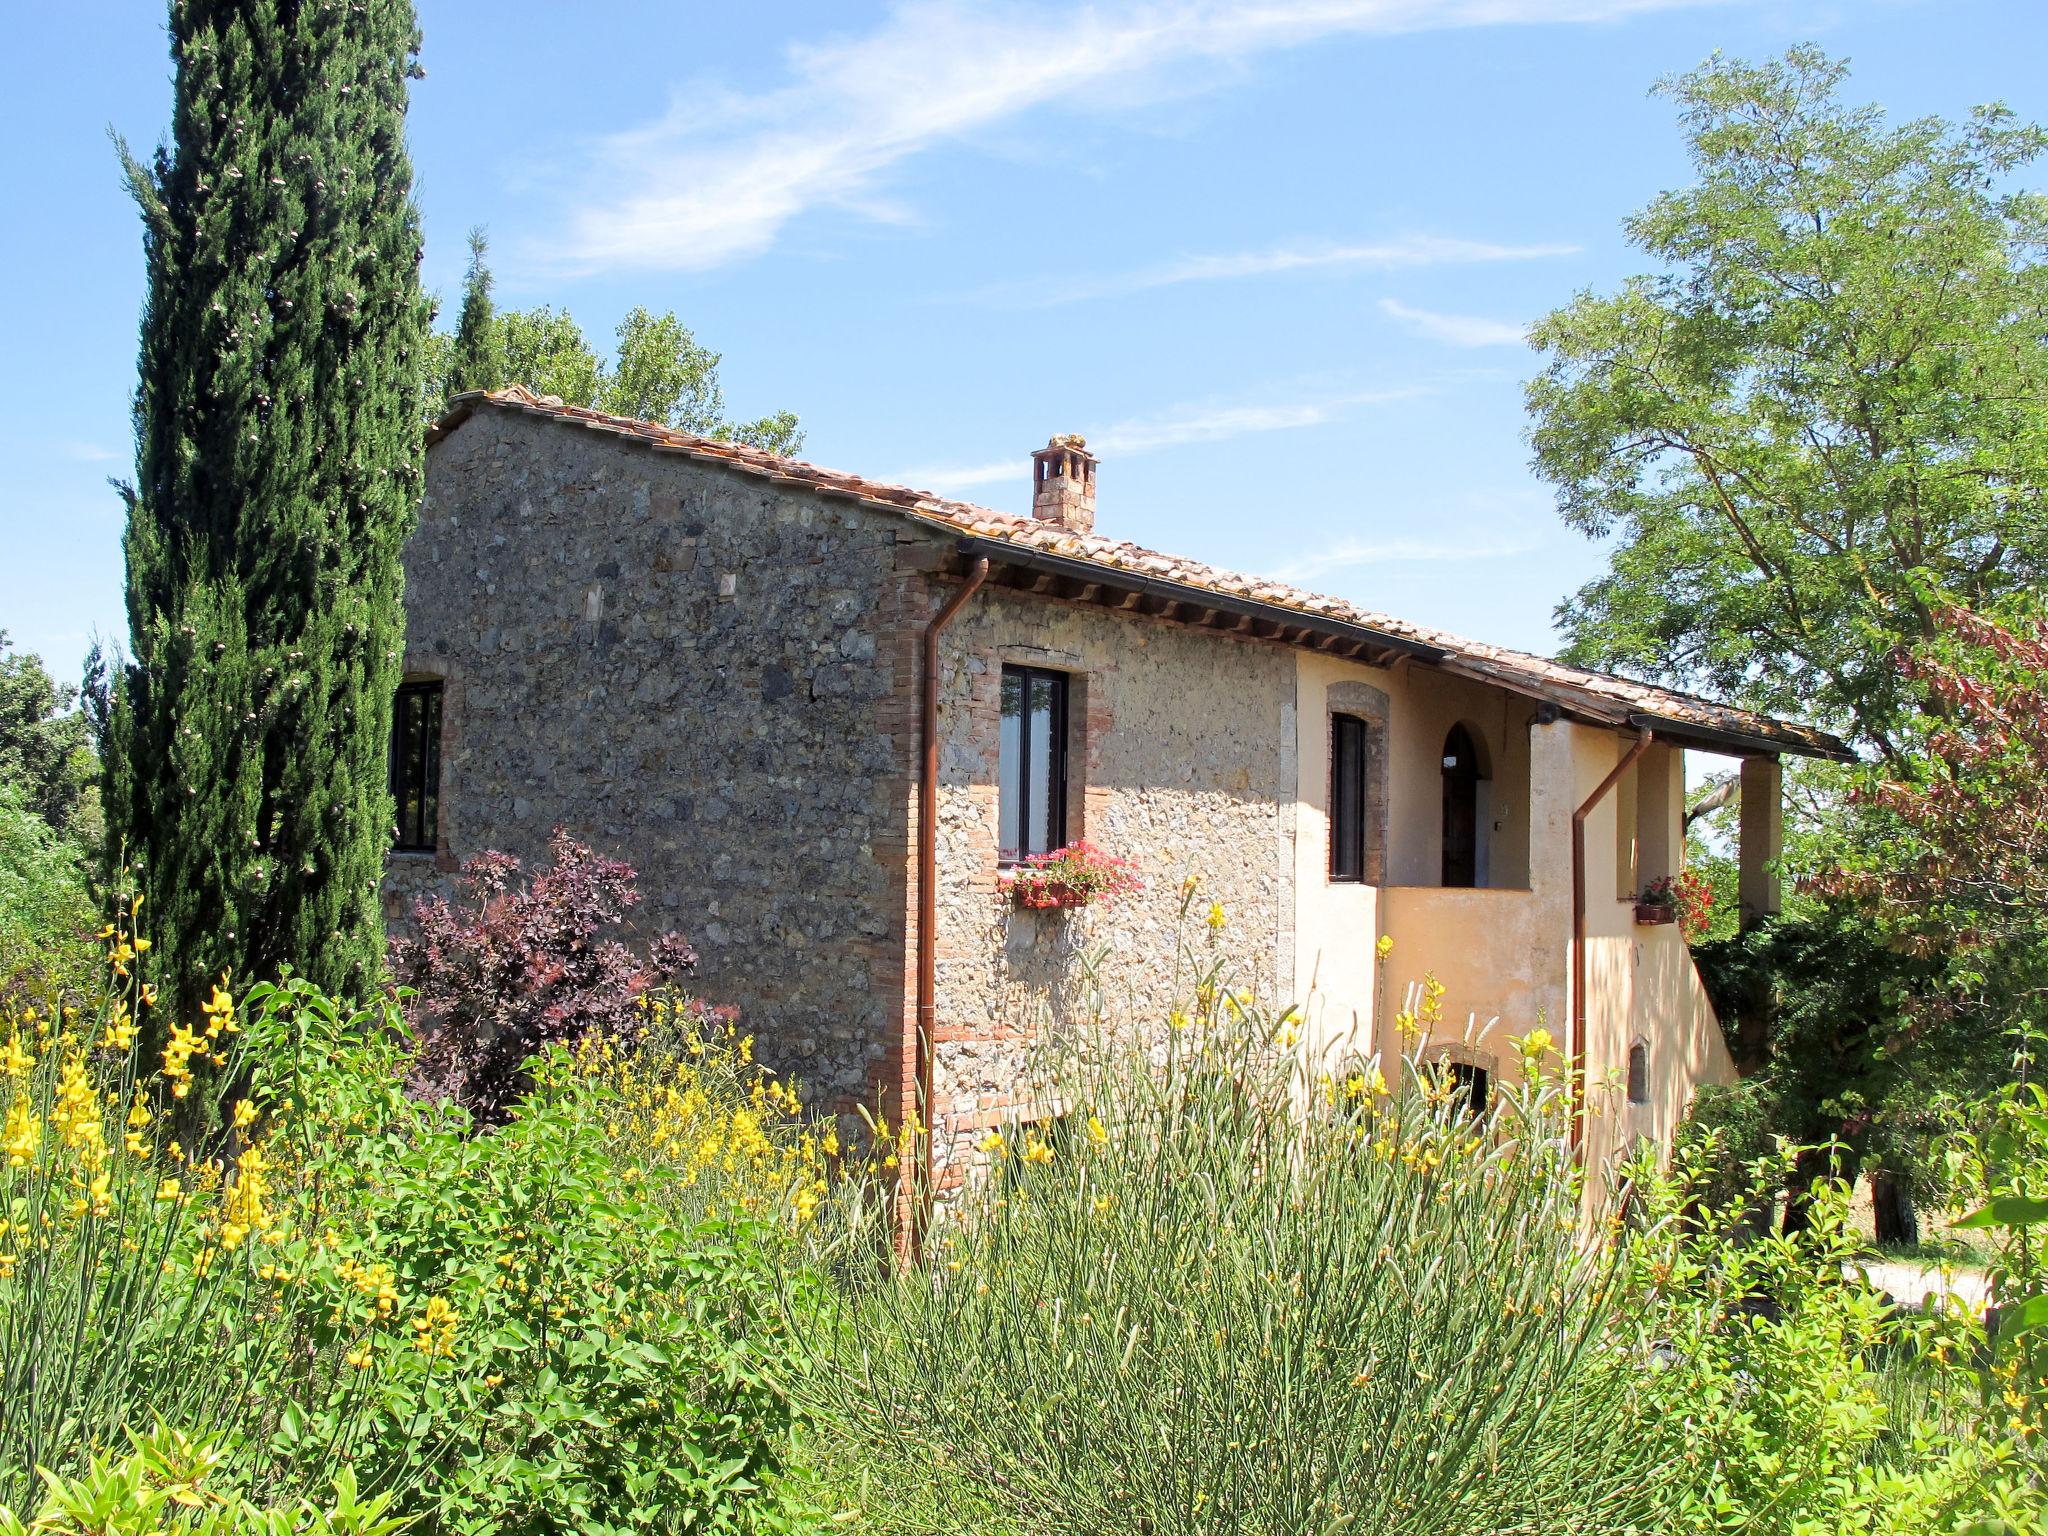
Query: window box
[(1650, 913), (1077, 875)]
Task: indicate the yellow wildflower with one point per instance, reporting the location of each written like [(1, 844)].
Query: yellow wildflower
[(15, 1061), (23, 1135), (994, 1145), (1037, 1150), (1217, 917), (1385, 947)]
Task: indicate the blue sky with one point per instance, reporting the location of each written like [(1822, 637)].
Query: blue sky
[(1272, 257)]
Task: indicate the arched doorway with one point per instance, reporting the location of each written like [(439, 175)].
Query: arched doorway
[(1463, 773)]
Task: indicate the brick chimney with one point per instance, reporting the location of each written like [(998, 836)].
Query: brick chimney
[(1063, 483)]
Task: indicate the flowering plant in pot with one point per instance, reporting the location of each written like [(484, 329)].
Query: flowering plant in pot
[(1686, 899), (1073, 876)]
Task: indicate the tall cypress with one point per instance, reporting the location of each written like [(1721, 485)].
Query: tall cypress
[(278, 467), (477, 359)]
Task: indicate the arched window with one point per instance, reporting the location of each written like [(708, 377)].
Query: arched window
[(1639, 1073), (1463, 832)]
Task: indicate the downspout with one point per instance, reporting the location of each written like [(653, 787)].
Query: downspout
[(1575, 1046), (913, 1182)]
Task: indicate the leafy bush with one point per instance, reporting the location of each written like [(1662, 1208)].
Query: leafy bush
[(170, 1480), (521, 966), (1213, 1295), (600, 1347), (1777, 1393), (570, 1322), (45, 907)]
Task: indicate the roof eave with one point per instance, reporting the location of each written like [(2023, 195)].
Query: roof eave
[(1086, 574), (1707, 738)]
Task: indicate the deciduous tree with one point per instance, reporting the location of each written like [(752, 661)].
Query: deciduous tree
[(1825, 401)]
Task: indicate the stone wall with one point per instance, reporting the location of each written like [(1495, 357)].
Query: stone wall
[(706, 675), (1181, 756)]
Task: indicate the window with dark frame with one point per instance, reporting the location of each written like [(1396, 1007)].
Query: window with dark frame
[(1032, 764), (416, 764), (1468, 1082), (1347, 797)]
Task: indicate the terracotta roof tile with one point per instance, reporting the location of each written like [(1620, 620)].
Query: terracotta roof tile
[(1598, 694)]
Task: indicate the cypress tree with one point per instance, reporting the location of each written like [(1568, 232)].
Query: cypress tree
[(478, 358), (278, 467)]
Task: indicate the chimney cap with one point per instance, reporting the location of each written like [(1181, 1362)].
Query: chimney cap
[(1065, 442)]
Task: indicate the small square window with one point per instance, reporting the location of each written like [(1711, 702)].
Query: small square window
[(416, 764), (1347, 797), (1468, 1084), (1032, 766)]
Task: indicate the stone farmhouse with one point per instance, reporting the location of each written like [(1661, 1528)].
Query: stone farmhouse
[(743, 674)]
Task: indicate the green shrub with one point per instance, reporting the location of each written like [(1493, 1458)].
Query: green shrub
[(45, 907), (170, 1482), (593, 1339), (1213, 1295), (1786, 1397), (573, 1321)]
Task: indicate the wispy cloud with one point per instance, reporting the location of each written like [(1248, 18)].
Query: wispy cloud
[(1384, 256), (88, 453), (1473, 524), (719, 175), (1456, 330), (1348, 554), (1202, 423)]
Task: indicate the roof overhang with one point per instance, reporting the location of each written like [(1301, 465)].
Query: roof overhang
[(1075, 580), (1706, 738)]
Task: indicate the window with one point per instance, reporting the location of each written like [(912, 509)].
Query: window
[(1464, 829), (416, 764), (1471, 1082), (1033, 763), (1639, 1073), (1347, 797)]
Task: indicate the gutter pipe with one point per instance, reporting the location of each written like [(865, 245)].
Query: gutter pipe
[(913, 1182), (1575, 1046)]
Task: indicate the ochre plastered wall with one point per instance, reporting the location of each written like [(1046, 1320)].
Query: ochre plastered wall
[(1640, 979), (1499, 951)]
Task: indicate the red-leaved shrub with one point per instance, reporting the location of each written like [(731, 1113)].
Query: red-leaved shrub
[(518, 965)]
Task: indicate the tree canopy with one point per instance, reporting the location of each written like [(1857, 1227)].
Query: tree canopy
[(1824, 406), (46, 753), (659, 371)]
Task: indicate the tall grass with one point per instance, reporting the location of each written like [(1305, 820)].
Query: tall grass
[(1220, 1292)]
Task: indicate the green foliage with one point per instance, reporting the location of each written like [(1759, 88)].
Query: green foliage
[(1781, 1398), (571, 1322), (1824, 402), (660, 372), (600, 1346), (46, 754), (546, 352), (1820, 1012), (1213, 1295), (477, 358), (45, 906), (1949, 849), (170, 1481), (278, 471)]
